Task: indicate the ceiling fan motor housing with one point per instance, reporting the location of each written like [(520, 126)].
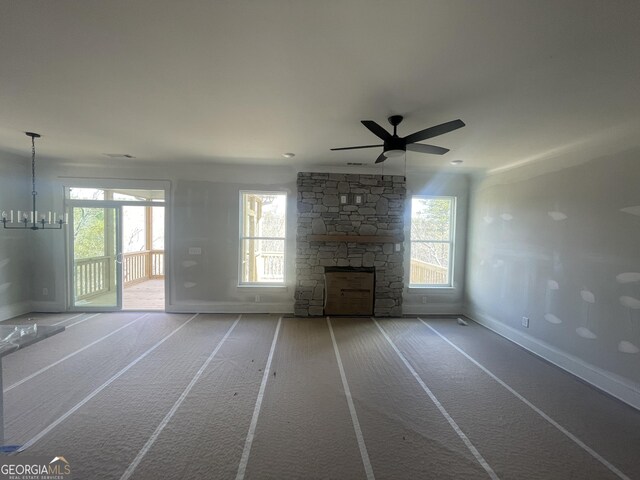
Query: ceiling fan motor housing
[(395, 120), (394, 146), (395, 143)]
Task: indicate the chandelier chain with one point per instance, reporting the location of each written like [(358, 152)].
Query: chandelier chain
[(33, 166)]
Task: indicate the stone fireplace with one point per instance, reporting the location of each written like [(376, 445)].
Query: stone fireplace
[(348, 220)]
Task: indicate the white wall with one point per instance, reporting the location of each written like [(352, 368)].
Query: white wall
[(554, 246), (15, 260), (205, 214)]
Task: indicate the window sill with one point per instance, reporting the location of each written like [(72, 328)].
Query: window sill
[(261, 286), (419, 289)]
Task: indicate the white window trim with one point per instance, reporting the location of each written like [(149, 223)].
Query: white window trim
[(451, 242), (242, 238)]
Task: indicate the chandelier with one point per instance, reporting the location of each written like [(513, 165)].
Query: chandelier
[(31, 219)]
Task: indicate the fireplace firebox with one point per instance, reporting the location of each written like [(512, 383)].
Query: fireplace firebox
[(349, 291)]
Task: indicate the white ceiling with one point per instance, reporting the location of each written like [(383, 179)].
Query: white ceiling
[(243, 81)]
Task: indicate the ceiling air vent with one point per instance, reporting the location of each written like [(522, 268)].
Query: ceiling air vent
[(118, 155)]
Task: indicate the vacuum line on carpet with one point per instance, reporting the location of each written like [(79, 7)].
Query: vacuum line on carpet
[(101, 388), (83, 320), (44, 369), (474, 451), (67, 319), (568, 434), (352, 409), (244, 460), (154, 436)]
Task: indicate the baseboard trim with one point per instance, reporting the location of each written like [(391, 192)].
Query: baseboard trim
[(609, 382), (433, 309), (49, 307), (230, 307), (14, 309)]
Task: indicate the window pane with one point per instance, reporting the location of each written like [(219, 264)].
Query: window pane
[(135, 195), (262, 261), (126, 197), (86, 193), (89, 225), (264, 215), (157, 227), (429, 263), (431, 218), (129, 195), (134, 229)]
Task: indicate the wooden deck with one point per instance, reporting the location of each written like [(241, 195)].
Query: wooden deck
[(147, 295)]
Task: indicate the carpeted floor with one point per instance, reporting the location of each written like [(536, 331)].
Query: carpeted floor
[(181, 396)]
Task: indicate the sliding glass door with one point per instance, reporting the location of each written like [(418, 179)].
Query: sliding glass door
[(96, 258)]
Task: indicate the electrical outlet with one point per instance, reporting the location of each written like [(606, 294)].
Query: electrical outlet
[(45, 291), (424, 299), (257, 298), (525, 322), (397, 247)]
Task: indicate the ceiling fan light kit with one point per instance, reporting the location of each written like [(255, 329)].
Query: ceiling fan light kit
[(394, 153), (395, 146)]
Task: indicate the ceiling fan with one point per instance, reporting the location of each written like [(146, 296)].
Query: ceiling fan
[(394, 146)]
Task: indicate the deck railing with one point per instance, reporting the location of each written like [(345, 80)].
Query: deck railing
[(94, 276), (141, 266), (157, 263), (270, 266), (423, 273)]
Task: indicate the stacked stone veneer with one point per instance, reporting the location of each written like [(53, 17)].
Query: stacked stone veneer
[(321, 213)]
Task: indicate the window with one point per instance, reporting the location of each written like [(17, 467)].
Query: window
[(262, 237), (122, 194), (432, 233)]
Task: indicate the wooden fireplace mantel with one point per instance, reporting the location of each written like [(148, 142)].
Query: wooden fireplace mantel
[(355, 238)]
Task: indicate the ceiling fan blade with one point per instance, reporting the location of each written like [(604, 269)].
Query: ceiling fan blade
[(376, 129), (362, 146), (381, 158), (419, 147), (434, 131)]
